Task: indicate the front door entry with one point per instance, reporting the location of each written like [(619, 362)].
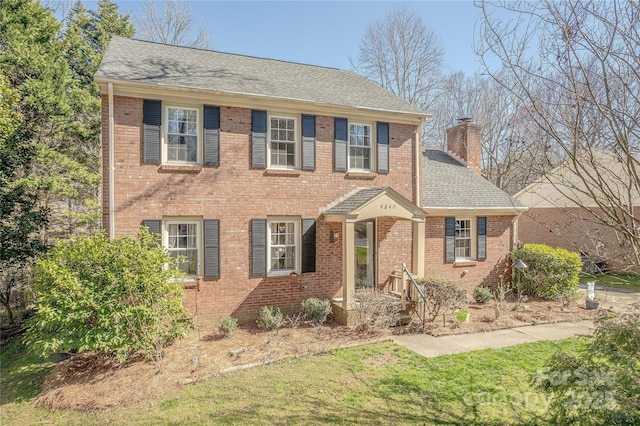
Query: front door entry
[(365, 255)]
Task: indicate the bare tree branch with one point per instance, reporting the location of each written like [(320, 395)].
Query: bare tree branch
[(575, 67), (171, 22)]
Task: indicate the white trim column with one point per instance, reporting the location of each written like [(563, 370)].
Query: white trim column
[(418, 248), (348, 263)]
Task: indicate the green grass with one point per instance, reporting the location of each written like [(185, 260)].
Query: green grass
[(624, 281), (21, 372), (377, 384)]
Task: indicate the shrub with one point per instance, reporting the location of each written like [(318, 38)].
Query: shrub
[(552, 273), (482, 294), (599, 385), (316, 310), (441, 293), (269, 318), (116, 296), (372, 309), (228, 325)]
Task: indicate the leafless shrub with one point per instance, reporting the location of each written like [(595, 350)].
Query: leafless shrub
[(441, 294), (374, 309)]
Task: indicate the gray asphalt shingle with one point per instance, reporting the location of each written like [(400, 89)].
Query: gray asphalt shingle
[(164, 65), (448, 184), (354, 201)]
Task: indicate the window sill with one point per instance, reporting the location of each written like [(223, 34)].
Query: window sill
[(189, 284), (174, 168), (279, 274), (464, 263), (361, 175), (282, 172)]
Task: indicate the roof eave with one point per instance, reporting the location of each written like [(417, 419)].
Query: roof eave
[(489, 211), (239, 99)]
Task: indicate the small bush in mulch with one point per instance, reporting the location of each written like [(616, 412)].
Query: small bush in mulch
[(269, 318), (482, 294)]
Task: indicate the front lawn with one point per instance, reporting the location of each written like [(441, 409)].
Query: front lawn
[(375, 384), (623, 281)]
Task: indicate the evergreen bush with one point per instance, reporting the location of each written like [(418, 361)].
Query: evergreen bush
[(269, 318), (551, 273), (316, 310), (115, 296)]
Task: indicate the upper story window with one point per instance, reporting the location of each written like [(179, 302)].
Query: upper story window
[(182, 135), (282, 142), (359, 146), (463, 239)]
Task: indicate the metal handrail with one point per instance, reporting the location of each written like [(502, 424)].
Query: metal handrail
[(420, 293)]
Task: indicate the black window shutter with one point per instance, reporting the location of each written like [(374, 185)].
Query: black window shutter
[(258, 139), (450, 239), (258, 247), (211, 248), (308, 245), (211, 135), (482, 238), (308, 142), (155, 227), (383, 147), (152, 125), (341, 144)]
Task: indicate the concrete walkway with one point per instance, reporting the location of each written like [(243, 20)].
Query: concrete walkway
[(431, 346)]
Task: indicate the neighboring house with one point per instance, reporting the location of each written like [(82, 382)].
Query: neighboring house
[(471, 223), (561, 210), (275, 181)]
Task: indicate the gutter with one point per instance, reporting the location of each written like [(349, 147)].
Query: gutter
[(111, 164)]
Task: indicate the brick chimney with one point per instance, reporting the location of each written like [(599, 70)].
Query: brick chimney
[(463, 143)]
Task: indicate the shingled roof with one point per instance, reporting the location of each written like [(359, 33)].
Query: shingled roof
[(447, 184), (164, 65)]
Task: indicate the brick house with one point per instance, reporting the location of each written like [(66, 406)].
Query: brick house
[(475, 219), (276, 181), (562, 212)]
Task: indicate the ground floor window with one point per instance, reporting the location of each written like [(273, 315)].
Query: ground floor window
[(283, 235), (463, 239), (182, 240)]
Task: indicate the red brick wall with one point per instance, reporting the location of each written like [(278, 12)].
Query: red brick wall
[(235, 193), (575, 229), (464, 141), (481, 272), (394, 238)]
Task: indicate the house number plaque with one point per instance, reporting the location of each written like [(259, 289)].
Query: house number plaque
[(388, 206)]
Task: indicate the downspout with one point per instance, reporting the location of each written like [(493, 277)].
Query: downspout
[(418, 152), (111, 164)]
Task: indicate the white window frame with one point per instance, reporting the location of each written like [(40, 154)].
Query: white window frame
[(298, 245), (165, 134), (472, 239), (199, 239), (296, 142), (372, 145)]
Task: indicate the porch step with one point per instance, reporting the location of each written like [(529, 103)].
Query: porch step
[(404, 319), (396, 294)]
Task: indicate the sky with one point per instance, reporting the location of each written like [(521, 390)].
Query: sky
[(325, 33)]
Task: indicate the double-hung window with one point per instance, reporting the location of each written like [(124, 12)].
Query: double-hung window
[(359, 146), (182, 240), (284, 248), (182, 135), (283, 138), (463, 239)]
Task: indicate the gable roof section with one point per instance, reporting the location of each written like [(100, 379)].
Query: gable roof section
[(161, 65), (562, 187), (368, 203), (448, 186)]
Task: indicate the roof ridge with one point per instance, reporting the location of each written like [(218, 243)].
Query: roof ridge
[(234, 54)]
